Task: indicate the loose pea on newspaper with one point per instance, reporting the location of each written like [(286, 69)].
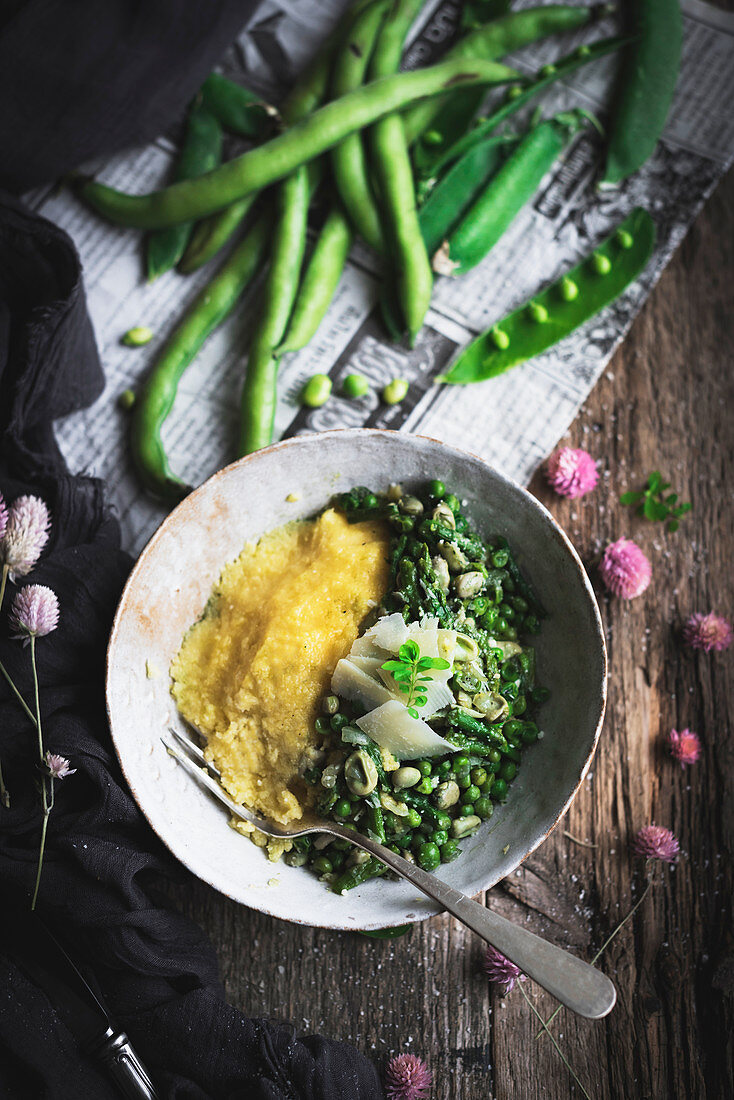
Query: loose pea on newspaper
[(559, 309)]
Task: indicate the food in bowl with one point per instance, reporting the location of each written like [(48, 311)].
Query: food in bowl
[(373, 665)]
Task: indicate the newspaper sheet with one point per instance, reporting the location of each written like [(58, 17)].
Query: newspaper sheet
[(512, 421)]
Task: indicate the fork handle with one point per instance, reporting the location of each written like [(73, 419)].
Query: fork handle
[(579, 986)]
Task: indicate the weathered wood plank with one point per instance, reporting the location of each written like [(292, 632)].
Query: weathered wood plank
[(666, 402)]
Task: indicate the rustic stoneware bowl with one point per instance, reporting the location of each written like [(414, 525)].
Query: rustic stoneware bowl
[(168, 589)]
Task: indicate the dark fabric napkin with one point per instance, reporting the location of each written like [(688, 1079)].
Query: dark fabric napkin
[(156, 968)]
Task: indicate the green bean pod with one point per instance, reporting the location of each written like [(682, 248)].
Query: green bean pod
[(523, 94), (279, 157), (215, 302), (235, 107), (567, 303), (515, 183), (320, 280), (355, 876), (348, 161), (201, 152), (496, 39), (212, 234), (259, 393), (648, 76), (457, 189), (394, 175)]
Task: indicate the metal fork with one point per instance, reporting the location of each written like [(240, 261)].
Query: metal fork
[(580, 987)]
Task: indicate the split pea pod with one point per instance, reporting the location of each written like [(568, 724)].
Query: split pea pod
[(212, 305), (394, 175), (319, 282), (348, 162), (500, 37), (235, 107), (647, 80), (259, 393), (521, 94), (559, 309), (514, 184), (201, 151), (314, 135), (459, 186)]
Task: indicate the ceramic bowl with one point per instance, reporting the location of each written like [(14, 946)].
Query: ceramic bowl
[(169, 587)]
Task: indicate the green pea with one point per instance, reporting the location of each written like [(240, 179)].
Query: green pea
[(466, 810), (624, 239), (450, 851), (433, 137), (513, 92), (424, 767), (508, 612), (137, 337), (322, 865), (539, 694), (530, 733), (429, 856), (538, 312), (501, 625), (508, 771), (494, 756), (424, 787), (531, 625), (512, 728), (499, 790), (489, 618), (499, 338), (452, 502), (483, 807), (317, 391), (355, 385), (322, 725), (337, 860), (440, 837), (343, 808), (470, 795), (340, 845), (460, 763), (436, 489), (569, 289), (519, 603), (478, 776), (443, 769), (547, 70), (510, 669), (417, 841), (126, 400), (394, 392), (338, 721), (583, 51), (404, 840), (464, 781), (413, 818), (330, 704), (602, 264), (520, 705), (500, 559)]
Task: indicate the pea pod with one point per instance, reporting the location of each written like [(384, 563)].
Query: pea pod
[(519, 95), (496, 39), (455, 191), (212, 233), (567, 303), (235, 107), (648, 76), (214, 302), (394, 175), (201, 152), (515, 183), (279, 157), (319, 282), (259, 394), (348, 161)]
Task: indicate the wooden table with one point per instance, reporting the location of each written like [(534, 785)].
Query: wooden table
[(665, 402)]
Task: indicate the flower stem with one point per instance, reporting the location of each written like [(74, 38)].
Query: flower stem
[(552, 1038), (3, 582), (48, 800), (602, 949), (18, 696)]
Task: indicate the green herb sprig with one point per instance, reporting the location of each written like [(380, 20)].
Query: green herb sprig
[(410, 673), (652, 503)]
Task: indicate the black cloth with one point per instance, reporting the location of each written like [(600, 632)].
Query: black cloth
[(156, 968)]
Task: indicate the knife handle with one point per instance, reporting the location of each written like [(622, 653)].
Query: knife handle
[(116, 1055)]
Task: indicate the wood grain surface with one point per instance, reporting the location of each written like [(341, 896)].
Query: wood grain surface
[(665, 402)]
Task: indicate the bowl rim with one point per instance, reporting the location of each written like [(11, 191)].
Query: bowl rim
[(294, 441)]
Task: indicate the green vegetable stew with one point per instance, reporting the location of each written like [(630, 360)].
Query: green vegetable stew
[(430, 712)]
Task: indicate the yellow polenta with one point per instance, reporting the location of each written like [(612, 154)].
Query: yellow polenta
[(251, 674)]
